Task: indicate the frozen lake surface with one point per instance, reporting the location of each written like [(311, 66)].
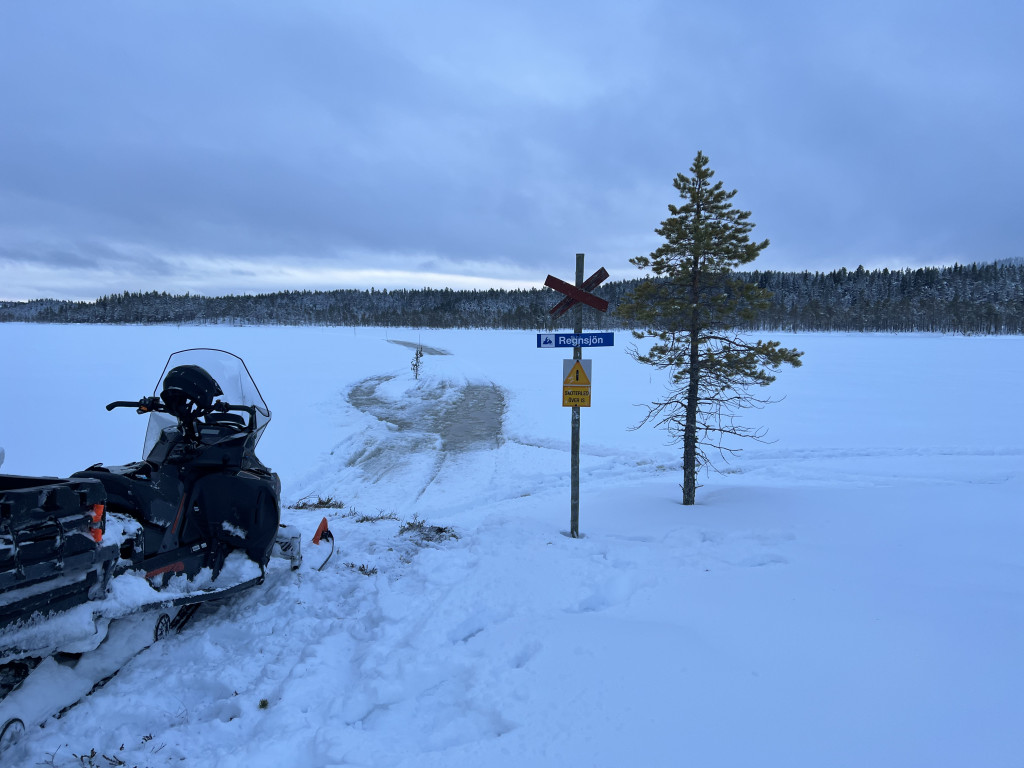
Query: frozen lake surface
[(850, 594)]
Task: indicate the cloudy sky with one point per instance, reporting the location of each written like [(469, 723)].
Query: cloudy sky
[(227, 147)]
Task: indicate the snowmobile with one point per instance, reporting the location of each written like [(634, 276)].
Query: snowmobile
[(200, 493), (198, 518)]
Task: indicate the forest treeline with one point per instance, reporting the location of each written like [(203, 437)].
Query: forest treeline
[(971, 299)]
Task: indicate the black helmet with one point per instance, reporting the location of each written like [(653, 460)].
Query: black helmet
[(189, 391)]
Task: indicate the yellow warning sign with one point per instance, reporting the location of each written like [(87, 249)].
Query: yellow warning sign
[(576, 376), (578, 397)]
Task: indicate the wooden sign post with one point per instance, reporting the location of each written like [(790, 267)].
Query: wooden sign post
[(575, 297)]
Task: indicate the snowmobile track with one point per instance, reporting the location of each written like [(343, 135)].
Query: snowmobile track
[(438, 421)]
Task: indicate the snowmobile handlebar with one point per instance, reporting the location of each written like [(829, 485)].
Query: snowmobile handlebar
[(150, 404), (223, 407), (145, 405)]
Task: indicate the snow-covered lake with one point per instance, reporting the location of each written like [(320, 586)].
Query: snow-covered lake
[(851, 594)]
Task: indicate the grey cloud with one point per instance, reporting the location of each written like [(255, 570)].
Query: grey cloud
[(458, 134)]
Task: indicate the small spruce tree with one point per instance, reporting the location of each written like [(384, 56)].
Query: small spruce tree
[(417, 362), (691, 307)]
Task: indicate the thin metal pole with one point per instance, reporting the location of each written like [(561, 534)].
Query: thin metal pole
[(577, 354)]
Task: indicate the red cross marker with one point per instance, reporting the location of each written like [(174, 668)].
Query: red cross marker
[(581, 295)]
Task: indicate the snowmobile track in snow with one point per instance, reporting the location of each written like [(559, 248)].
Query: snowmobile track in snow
[(441, 421)]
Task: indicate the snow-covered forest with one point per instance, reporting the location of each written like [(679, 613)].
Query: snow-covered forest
[(973, 299)]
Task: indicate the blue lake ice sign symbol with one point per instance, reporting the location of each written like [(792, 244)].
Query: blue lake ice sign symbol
[(561, 340)]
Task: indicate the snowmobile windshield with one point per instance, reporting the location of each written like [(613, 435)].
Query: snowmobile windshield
[(230, 373)]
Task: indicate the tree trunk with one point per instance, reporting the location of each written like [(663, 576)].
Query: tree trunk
[(690, 429), (693, 387)]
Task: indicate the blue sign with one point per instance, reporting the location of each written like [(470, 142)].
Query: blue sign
[(560, 340)]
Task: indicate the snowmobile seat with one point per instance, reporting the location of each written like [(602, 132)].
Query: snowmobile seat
[(131, 491)]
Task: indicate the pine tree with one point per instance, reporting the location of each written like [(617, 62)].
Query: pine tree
[(691, 307), (417, 362)]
